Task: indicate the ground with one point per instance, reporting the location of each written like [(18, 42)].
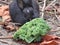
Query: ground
[(51, 18)]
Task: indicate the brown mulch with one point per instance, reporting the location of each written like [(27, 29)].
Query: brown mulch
[(4, 12), (51, 39)]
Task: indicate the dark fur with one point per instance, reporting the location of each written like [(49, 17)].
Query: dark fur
[(19, 14)]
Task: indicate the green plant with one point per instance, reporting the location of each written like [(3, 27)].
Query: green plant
[(32, 31)]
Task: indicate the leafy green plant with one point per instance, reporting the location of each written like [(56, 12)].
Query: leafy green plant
[(32, 31)]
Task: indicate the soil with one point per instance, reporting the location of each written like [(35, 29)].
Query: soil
[(51, 20)]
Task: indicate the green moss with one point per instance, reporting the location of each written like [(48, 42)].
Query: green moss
[(32, 31)]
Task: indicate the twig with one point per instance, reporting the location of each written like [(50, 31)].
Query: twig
[(54, 30), (7, 37), (3, 41), (43, 9), (56, 15), (15, 23), (6, 42), (50, 4), (4, 2), (2, 23)]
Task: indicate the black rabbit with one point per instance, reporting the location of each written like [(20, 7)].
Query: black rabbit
[(22, 11)]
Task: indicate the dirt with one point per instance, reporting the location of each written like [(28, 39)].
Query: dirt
[(51, 20), (4, 32)]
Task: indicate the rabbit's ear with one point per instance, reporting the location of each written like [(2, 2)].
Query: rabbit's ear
[(20, 3)]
